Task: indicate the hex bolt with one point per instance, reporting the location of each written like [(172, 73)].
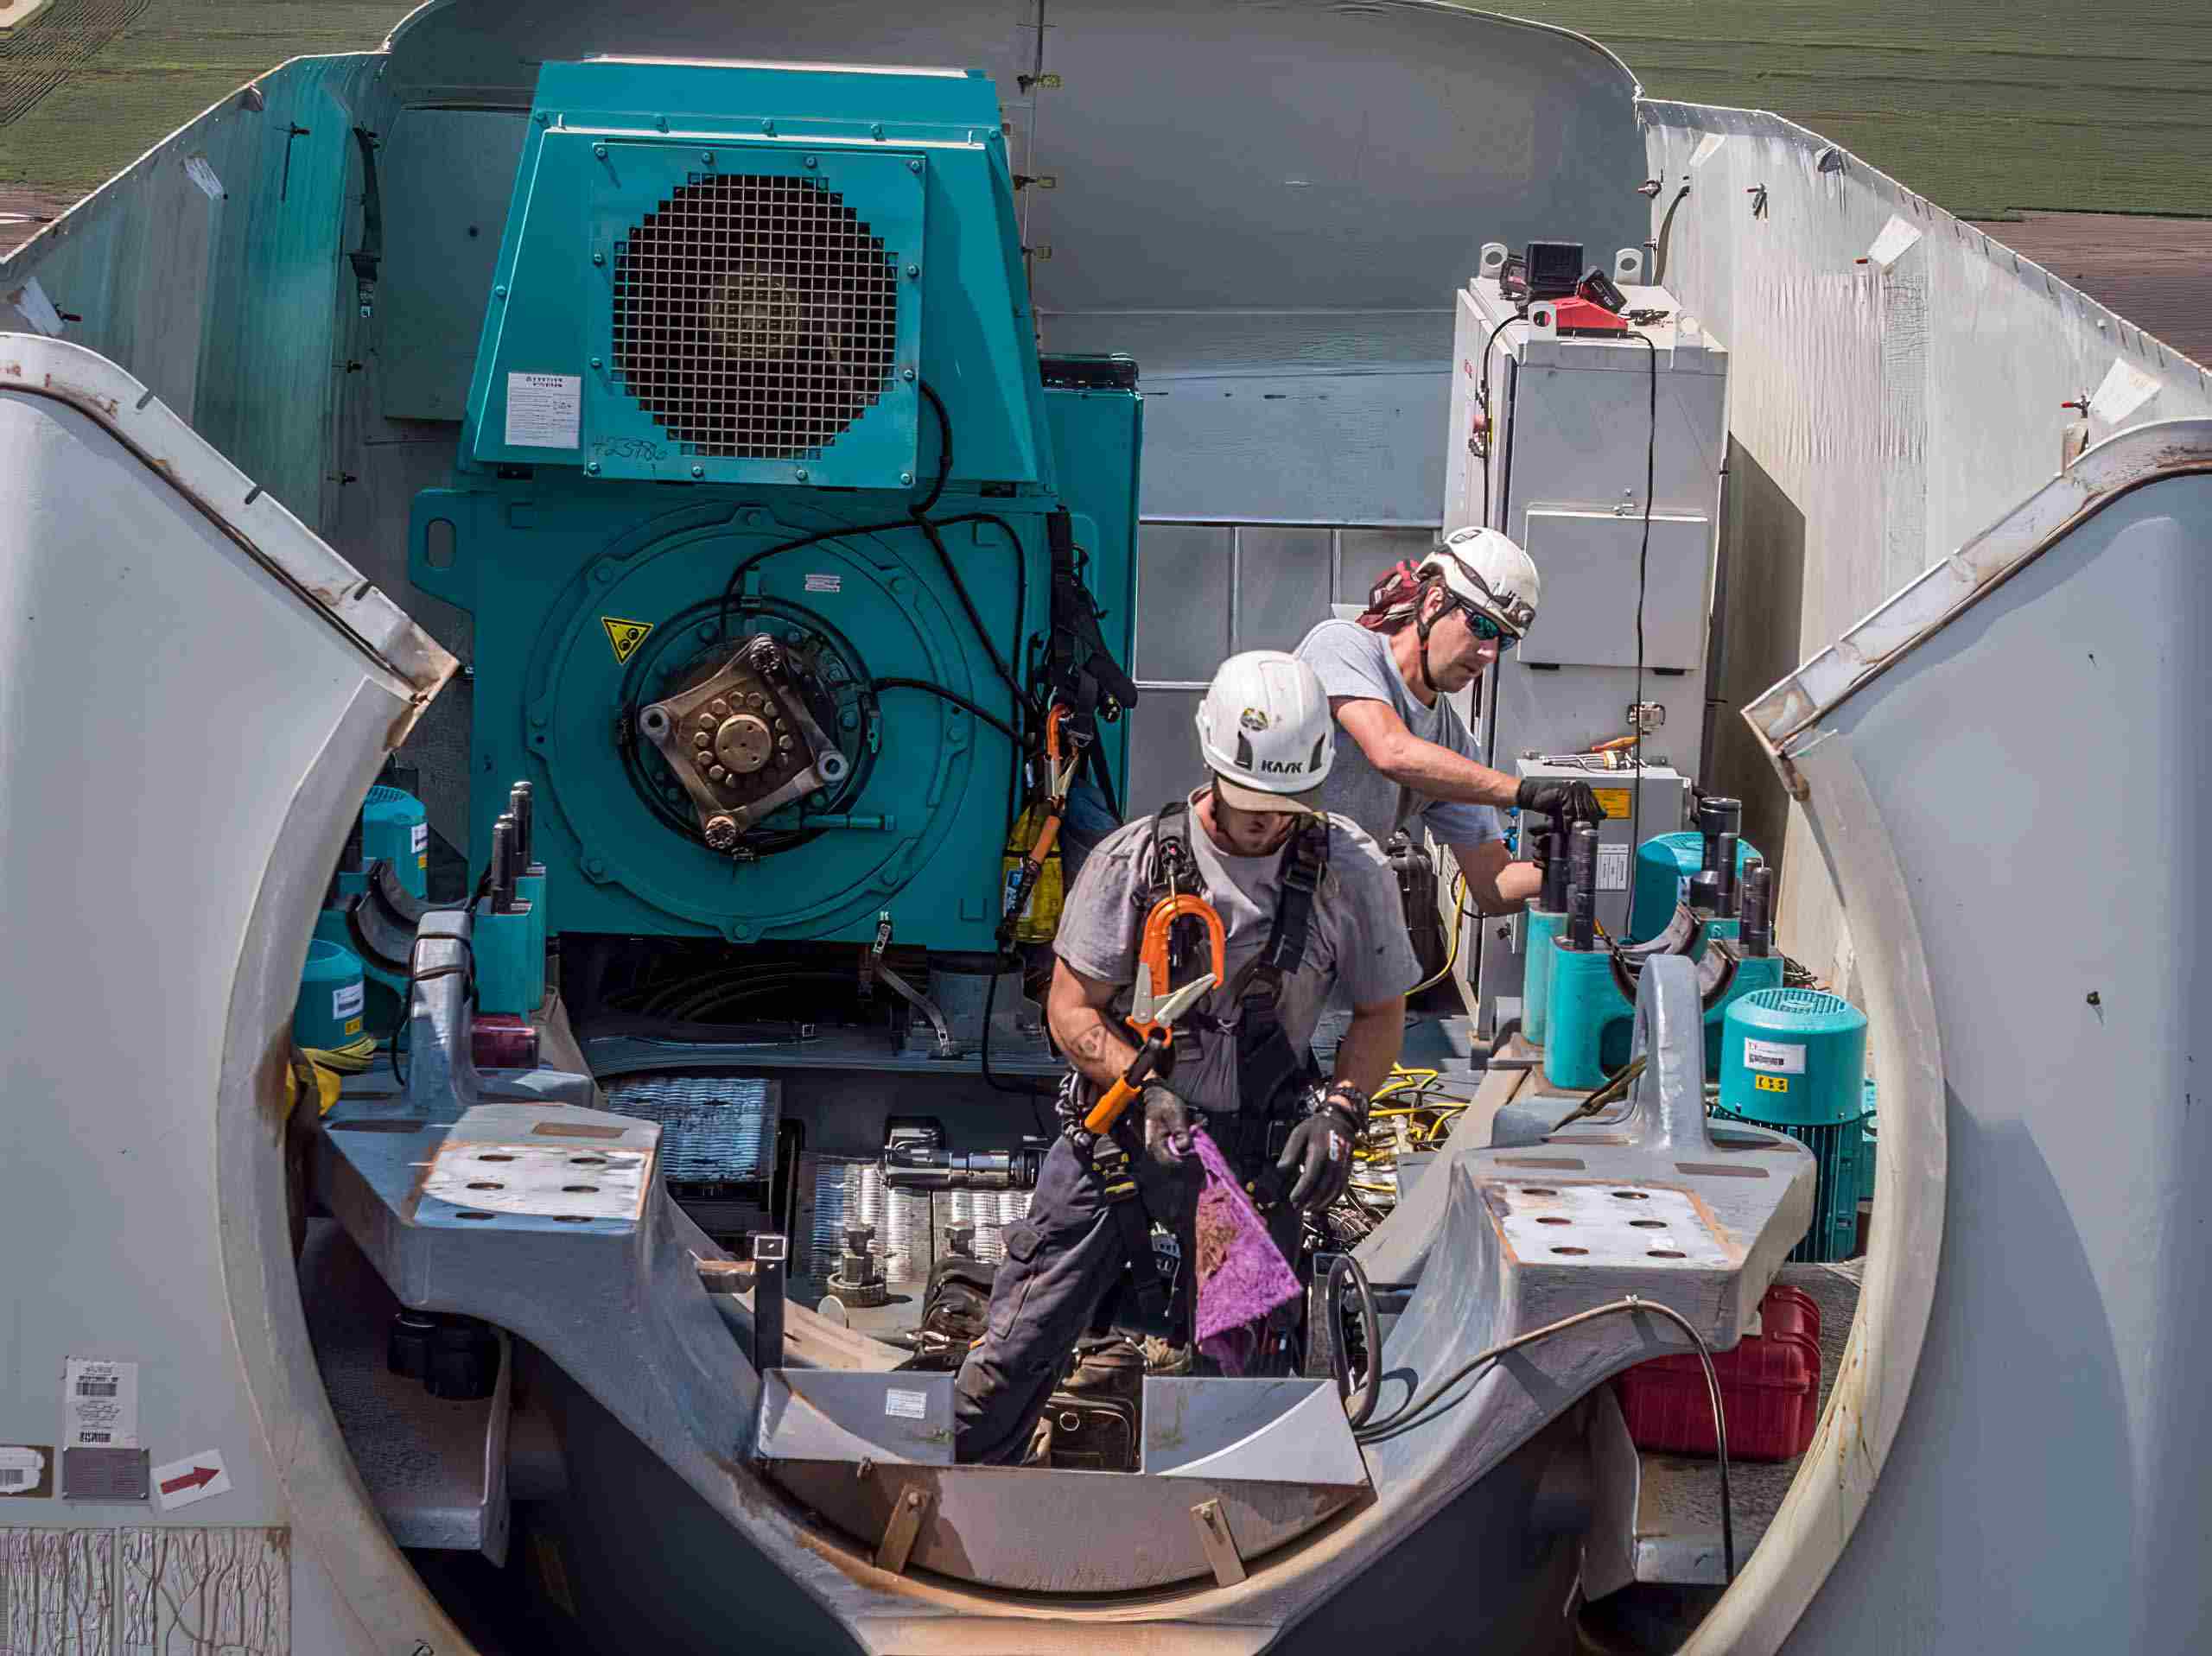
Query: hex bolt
[(591, 468), (707, 156), (907, 374), (809, 162), (876, 131), (768, 129), (756, 700), (720, 708), (599, 258), (718, 775), (599, 150), (721, 833), (499, 293), (800, 474), (913, 166), (906, 479), (783, 745), (700, 739), (706, 721), (782, 726), (698, 471), (848, 720), (914, 269), (594, 362)]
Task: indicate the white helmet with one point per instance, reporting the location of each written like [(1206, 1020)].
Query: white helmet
[(1488, 571), (1266, 731)]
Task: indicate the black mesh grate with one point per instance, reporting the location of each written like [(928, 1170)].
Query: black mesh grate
[(754, 316)]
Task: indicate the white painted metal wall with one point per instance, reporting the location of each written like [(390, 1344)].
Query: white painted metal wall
[(1897, 378)]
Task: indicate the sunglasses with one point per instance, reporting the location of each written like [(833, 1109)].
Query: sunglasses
[(1485, 629)]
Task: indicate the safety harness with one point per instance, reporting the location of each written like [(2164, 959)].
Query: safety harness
[(1269, 1066)]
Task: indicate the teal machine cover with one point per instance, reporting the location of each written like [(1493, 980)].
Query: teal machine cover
[(762, 496)]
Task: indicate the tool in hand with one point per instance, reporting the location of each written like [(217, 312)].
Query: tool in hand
[(1154, 1008)]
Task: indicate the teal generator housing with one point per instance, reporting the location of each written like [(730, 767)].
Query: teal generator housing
[(772, 522), (1794, 1060)]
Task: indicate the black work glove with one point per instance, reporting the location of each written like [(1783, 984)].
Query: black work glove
[(1565, 803), (1318, 1151), (1169, 1174)]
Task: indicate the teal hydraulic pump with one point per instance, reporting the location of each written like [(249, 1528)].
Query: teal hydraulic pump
[(1727, 928), (377, 895), (779, 537), (1665, 863), (327, 1015), (1794, 1060)]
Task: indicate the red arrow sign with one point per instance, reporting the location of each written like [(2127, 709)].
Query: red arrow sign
[(198, 1477)]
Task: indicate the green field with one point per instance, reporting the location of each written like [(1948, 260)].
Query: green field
[(1986, 108)]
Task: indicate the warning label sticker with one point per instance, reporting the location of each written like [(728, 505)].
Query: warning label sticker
[(624, 635), (1613, 801), (907, 1405), (99, 1404), (1612, 868), (545, 410)]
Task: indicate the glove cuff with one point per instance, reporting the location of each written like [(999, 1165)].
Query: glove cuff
[(1524, 796), (1344, 1098)]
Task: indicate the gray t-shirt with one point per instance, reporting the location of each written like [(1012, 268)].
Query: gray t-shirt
[(1353, 662), (1356, 945)]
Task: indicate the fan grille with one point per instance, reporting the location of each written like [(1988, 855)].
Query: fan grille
[(754, 316)]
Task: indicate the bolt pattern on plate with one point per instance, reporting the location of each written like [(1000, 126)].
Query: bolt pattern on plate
[(1649, 1226), (574, 1180)]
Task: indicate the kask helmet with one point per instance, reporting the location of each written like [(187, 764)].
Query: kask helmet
[(1488, 572), (1266, 731)]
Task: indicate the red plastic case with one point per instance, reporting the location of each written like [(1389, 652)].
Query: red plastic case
[(1770, 1389)]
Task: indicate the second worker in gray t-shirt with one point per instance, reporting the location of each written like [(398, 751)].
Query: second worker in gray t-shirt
[(1429, 631)]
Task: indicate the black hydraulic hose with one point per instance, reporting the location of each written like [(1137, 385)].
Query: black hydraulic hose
[(1371, 1329), (1417, 1414)]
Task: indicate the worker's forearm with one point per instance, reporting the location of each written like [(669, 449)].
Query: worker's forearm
[(1370, 1046), (1091, 1044), (1437, 772)]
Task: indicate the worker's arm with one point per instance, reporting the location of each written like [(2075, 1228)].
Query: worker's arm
[(1079, 1009), (1431, 772), (1496, 883), (1370, 1043)]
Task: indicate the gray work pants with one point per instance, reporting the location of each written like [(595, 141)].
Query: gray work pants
[(1061, 1261)]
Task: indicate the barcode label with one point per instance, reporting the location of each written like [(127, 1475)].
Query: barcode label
[(95, 1388), (15, 1477)]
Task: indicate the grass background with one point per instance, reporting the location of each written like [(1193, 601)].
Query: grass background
[(1987, 107)]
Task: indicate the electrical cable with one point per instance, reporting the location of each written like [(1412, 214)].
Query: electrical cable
[(953, 697), (1451, 955), (1643, 569), (1371, 1329), (1489, 426), (1409, 1417)]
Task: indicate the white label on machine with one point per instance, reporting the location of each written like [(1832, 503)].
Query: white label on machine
[(907, 1405), (345, 1001), (1781, 1057), (99, 1404), (22, 1468), (419, 837), (193, 1478), (1612, 868), (545, 410), (821, 583)]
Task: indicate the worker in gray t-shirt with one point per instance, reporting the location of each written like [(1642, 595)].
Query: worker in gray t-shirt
[(1431, 629), (1309, 910)]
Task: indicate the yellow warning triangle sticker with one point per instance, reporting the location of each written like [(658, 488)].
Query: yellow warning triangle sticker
[(624, 635)]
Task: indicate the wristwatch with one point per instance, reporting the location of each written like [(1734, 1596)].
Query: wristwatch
[(1341, 1095)]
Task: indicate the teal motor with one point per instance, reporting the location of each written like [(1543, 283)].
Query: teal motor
[(1665, 865), (328, 1014), (1589, 990), (779, 534), (1794, 1060)]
